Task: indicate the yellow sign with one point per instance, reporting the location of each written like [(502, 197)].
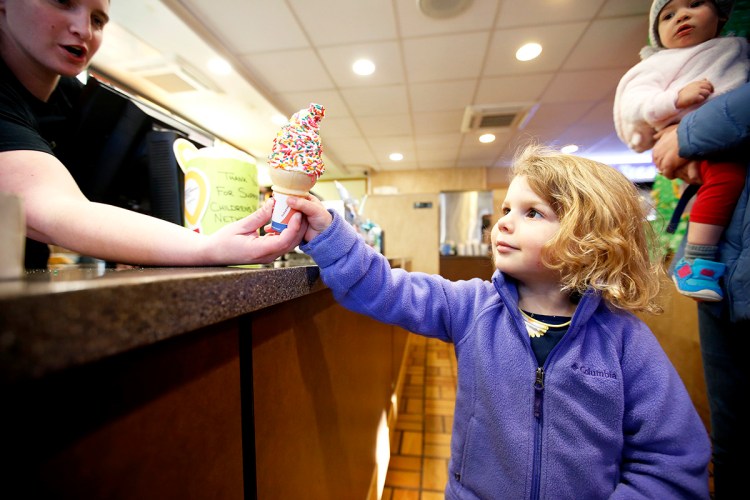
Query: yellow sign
[(221, 185)]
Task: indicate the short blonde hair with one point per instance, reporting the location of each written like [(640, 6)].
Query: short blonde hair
[(604, 238)]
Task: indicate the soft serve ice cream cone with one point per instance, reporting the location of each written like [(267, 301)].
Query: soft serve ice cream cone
[(295, 161)]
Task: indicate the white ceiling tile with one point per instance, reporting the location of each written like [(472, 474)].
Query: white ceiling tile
[(435, 122), (365, 102), (557, 43), (351, 150), (441, 96), (476, 157), (601, 113), (382, 147), (541, 134), (447, 57), (560, 114), (599, 49), (585, 136), (330, 22), (614, 8), (438, 141), (386, 125), (386, 56), (289, 71), (582, 85), (330, 99), (543, 12), (249, 27), (339, 128), (517, 88)]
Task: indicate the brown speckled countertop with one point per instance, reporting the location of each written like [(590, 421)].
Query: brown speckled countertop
[(56, 319)]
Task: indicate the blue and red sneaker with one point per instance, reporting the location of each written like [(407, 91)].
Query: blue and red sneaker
[(699, 280)]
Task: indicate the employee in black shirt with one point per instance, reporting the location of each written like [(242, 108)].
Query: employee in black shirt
[(43, 45)]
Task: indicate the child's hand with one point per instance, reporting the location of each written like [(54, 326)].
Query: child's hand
[(694, 93), (318, 218)]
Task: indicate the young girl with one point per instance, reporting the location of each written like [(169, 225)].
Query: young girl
[(562, 391)]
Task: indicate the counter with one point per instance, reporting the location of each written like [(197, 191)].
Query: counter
[(52, 320), (190, 383)]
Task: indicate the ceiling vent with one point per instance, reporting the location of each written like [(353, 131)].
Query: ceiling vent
[(173, 75), (497, 116)]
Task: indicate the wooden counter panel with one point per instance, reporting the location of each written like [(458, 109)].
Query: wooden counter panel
[(323, 378), (159, 422), (149, 384)]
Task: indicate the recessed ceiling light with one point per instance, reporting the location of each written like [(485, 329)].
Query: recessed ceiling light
[(396, 157), (529, 51), (363, 67), (487, 138), (569, 149), (219, 66)]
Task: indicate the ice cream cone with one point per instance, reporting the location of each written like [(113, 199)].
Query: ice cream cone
[(295, 161), (291, 182), (287, 183)]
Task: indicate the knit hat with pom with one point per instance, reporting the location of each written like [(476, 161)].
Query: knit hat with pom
[(723, 6)]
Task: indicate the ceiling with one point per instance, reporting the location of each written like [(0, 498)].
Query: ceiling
[(288, 53)]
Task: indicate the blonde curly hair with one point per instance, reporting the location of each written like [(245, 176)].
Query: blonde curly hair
[(604, 238)]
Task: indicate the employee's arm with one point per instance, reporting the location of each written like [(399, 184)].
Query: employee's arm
[(57, 212)]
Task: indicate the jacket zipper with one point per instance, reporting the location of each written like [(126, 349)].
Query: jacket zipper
[(538, 395)]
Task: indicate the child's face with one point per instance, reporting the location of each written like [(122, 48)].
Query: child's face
[(526, 224), (686, 23)]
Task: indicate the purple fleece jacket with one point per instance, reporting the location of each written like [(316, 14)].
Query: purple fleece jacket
[(614, 419)]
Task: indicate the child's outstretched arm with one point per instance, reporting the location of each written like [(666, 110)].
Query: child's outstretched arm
[(318, 218)]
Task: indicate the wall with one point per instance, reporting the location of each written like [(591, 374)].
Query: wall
[(677, 332), (327, 190), (430, 181), (408, 232), (323, 378)]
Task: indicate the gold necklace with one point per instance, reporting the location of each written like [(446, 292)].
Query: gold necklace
[(536, 328)]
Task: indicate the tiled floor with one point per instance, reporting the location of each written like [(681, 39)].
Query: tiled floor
[(420, 447), (418, 469)]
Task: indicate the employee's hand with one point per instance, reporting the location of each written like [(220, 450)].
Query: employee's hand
[(240, 243), (318, 217)]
